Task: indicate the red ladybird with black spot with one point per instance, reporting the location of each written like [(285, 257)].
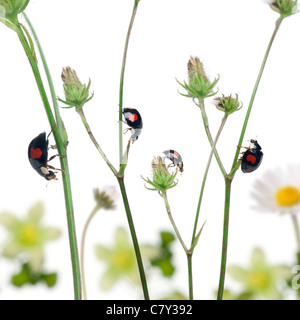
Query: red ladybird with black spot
[(252, 158), (38, 156), (135, 122), (175, 157)]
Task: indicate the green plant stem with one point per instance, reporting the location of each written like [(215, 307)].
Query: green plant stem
[(189, 256), (122, 81), (164, 196), (225, 238), (96, 144), (188, 252), (120, 178), (209, 136), (64, 165), (124, 157), (213, 148), (134, 238), (235, 165), (277, 25), (87, 223), (48, 75)]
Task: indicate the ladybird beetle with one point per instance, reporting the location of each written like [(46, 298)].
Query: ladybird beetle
[(175, 157), (134, 120), (252, 158), (38, 156)]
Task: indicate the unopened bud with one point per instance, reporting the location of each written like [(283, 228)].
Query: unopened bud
[(9, 9), (199, 86), (284, 7), (162, 178), (228, 104), (76, 93)]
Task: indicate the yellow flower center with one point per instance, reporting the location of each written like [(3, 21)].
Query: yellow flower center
[(29, 234), (258, 279), (288, 196), (122, 259)]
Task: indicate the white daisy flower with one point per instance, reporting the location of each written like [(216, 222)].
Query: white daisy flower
[(278, 190)]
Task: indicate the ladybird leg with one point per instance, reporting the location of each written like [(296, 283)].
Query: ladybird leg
[(171, 165), (50, 167), (126, 130), (56, 155), (50, 131)]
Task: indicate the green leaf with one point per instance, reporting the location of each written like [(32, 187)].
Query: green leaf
[(50, 279), (195, 242)]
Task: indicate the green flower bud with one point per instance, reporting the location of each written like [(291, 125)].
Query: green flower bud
[(199, 86), (162, 178), (76, 93), (195, 66), (228, 104), (9, 9), (284, 7)]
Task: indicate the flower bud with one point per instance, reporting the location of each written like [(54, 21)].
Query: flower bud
[(284, 7), (9, 9), (107, 197), (76, 93), (199, 86), (228, 104), (162, 178), (195, 66)]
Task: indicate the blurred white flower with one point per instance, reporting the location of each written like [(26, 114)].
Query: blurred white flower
[(107, 197), (278, 190)]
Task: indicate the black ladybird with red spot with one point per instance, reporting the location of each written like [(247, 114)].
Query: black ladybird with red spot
[(252, 158), (175, 157), (135, 122), (38, 156)]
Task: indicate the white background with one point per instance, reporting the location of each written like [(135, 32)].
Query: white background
[(230, 37)]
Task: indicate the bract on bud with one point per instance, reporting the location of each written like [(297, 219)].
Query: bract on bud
[(284, 7), (9, 9), (76, 93), (228, 104), (199, 86), (195, 66), (162, 178)]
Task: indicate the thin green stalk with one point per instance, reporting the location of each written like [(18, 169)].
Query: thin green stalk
[(213, 148), (120, 178), (122, 81), (277, 25), (188, 252), (96, 144), (87, 223), (64, 164), (225, 238), (209, 136), (189, 256), (164, 196), (134, 238), (48, 75), (124, 157), (229, 178)]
